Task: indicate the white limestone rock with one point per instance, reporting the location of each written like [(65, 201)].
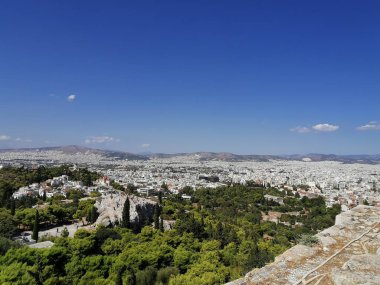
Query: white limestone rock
[(342, 277), (110, 208)]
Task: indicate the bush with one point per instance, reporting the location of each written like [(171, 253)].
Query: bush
[(103, 233), (8, 224), (164, 274), (307, 239), (6, 244), (47, 237), (65, 232), (95, 194), (81, 234), (146, 277)]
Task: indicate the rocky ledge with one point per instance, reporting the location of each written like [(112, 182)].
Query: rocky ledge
[(348, 253)]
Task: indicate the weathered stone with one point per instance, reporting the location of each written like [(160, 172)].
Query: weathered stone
[(342, 277), (326, 241), (296, 253), (364, 262), (110, 208), (237, 282)]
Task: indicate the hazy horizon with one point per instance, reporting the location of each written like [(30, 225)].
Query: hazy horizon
[(183, 152)]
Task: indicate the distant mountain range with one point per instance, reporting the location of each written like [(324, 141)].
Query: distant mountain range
[(72, 149), (208, 156)]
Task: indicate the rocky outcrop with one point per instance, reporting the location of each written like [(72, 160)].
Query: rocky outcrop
[(361, 269), (347, 253), (110, 208)]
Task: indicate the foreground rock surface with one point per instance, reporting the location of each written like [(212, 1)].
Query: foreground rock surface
[(347, 253)]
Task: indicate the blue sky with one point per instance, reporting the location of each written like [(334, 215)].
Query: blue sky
[(263, 77)]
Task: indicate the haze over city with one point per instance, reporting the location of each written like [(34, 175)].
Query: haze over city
[(248, 77)]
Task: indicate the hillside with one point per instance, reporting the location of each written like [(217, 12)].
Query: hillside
[(347, 253)]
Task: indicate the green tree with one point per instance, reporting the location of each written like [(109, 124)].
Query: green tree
[(119, 276), (125, 222), (26, 217), (8, 224), (164, 275), (160, 197), (156, 216), (164, 186), (146, 277), (182, 258), (94, 214), (65, 232), (7, 244), (162, 229), (44, 196), (131, 188), (36, 226), (13, 207)]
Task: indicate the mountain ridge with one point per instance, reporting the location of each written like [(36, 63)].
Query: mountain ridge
[(207, 156)]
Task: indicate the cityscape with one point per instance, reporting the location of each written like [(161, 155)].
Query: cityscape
[(183, 142), (349, 184)]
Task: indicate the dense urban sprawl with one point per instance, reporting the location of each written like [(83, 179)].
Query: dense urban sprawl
[(347, 184)]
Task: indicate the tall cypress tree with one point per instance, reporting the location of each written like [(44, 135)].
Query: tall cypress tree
[(156, 216), (36, 226), (13, 207), (89, 216), (44, 196), (126, 216), (94, 214), (162, 229), (160, 197)]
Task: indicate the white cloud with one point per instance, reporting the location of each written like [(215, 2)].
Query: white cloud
[(71, 98), (325, 128), (4, 138), (101, 139), (371, 126), (301, 130), (145, 145), (23, 140)]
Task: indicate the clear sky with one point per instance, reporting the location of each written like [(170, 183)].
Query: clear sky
[(252, 77)]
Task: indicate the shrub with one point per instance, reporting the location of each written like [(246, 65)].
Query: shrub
[(307, 239)]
